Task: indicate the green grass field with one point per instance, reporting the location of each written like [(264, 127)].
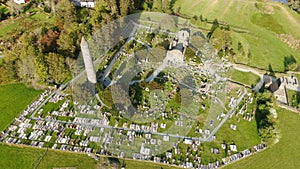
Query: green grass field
[(13, 99), (67, 159), (247, 78), (263, 28), (284, 154), (131, 164), (26, 158), (15, 157)]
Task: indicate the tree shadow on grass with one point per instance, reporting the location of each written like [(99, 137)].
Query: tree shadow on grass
[(289, 63)]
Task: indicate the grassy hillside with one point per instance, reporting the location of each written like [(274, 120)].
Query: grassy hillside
[(12, 157), (284, 154), (13, 99), (262, 20)]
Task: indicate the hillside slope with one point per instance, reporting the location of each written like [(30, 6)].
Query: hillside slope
[(264, 21)]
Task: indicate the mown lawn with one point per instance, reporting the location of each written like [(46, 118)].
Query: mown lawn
[(284, 154), (247, 78), (13, 100), (67, 159)]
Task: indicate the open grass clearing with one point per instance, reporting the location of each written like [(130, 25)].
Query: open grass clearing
[(67, 159), (12, 157), (284, 154), (13, 99), (247, 78), (131, 164)]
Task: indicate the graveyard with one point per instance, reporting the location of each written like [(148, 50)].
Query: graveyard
[(149, 84), (182, 112)]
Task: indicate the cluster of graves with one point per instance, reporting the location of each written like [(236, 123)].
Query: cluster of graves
[(243, 154), (88, 129), (78, 134)]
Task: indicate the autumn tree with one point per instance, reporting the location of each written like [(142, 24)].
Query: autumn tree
[(49, 41), (8, 73), (221, 39)]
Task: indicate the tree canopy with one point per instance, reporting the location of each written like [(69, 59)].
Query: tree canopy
[(294, 4)]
